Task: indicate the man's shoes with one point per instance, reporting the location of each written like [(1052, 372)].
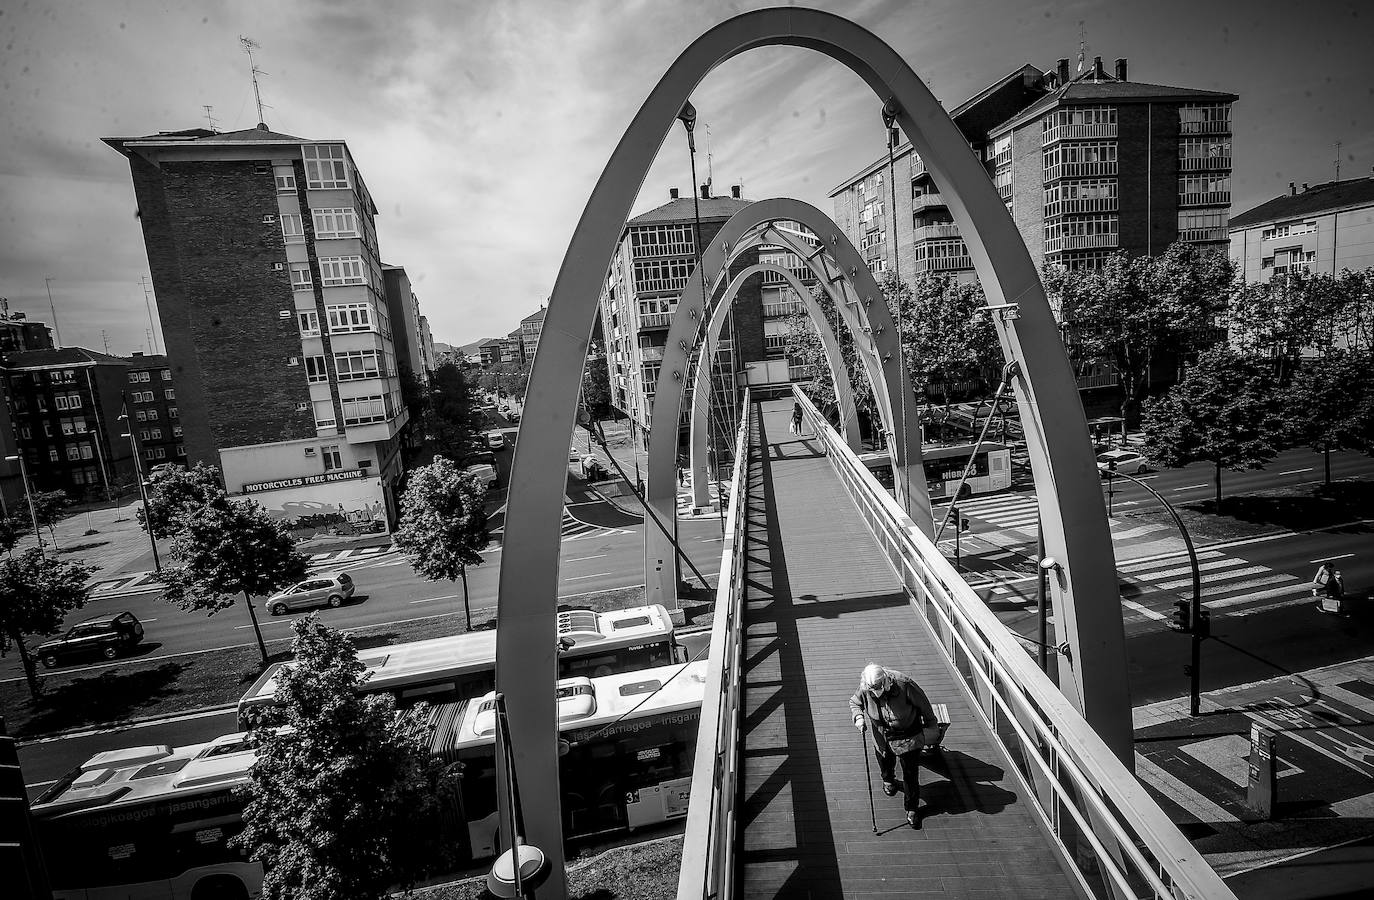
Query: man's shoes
[(914, 820), (890, 788)]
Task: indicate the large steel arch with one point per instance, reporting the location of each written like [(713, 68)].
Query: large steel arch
[(701, 411), (1071, 508), (866, 316)]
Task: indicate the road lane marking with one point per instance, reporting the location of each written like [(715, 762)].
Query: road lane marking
[(1189, 487), (581, 558), (432, 599), (1144, 610), (1297, 471), (581, 577), (207, 713), (1331, 558)]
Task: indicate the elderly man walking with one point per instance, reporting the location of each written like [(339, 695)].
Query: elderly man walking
[(892, 707)]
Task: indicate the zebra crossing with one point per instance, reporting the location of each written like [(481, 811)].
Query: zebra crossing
[(1230, 586), (1017, 513)]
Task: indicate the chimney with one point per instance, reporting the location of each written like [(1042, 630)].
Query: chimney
[(1097, 68), (1292, 189), (1063, 72), (1121, 70), (736, 190), (1304, 187), (672, 193), (706, 192)]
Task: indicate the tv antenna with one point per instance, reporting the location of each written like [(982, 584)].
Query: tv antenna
[(106, 338), (1082, 46), (210, 117), (709, 171), (47, 282), (148, 301), (1338, 160), (249, 45)]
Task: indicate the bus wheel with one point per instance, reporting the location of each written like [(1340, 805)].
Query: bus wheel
[(219, 887)]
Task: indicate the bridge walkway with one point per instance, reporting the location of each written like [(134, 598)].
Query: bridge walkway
[(821, 602)]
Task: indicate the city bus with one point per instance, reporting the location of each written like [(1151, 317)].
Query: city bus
[(464, 665), (156, 821), (945, 463)]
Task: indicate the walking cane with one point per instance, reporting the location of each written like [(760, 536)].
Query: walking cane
[(868, 779)]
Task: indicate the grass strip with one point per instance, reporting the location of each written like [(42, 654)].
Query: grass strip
[(647, 871)]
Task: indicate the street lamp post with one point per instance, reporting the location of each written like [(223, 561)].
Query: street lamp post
[(143, 490), (1198, 621), (33, 513)]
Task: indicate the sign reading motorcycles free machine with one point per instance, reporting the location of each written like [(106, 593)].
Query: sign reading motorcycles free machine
[(301, 481)]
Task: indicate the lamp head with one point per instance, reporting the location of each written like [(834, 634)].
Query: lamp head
[(1049, 564)]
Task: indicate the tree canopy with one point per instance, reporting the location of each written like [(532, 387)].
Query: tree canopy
[(1330, 404), (177, 495), (443, 525), (332, 825), (36, 593), (454, 421)]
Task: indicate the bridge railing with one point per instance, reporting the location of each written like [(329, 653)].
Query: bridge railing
[(708, 847), (1120, 843)]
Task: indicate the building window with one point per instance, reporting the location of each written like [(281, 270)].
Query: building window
[(73, 452), (310, 324), (315, 370), (349, 317), (133, 378), (286, 181), (335, 223), (181, 450), (363, 410), (292, 230), (1288, 229), (171, 412), (356, 364), (68, 401), (324, 414), (169, 394), (176, 431), (142, 415), (300, 277), (143, 434), (332, 459), (166, 374), (26, 433), (339, 270), (662, 240), (326, 167), (156, 434), (152, 415), (661, 274), (136, 377), (53, 454), (142, 396), (1204, 118), (1204, 190)]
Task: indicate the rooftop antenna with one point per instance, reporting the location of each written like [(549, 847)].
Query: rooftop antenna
[(1338, 160), (210, 117), (249, 45), (1082, 46), (106, 338), (709, 171), (58, 331), (148, 302)]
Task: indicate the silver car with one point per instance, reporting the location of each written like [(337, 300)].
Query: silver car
[(325, 589)]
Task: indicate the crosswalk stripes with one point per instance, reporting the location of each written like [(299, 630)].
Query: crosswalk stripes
[(1017, 512), (1230, 586)]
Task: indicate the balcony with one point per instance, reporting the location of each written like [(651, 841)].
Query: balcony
[(1204, 127), (655, 320), (1085, 205), (1077, 133), (1204, 163), (650, 354), (1080, 242), (930, 232), (660, 285), (1004, 191), (1001, 159), (377, 431), (674, 248), (1204, 235), (785, 308), (1080, 170), (944, 263), (927, 201), (1105, 379), (799, 373), (1205, 198)]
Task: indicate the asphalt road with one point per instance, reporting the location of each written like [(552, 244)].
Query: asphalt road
[(1336, 873)]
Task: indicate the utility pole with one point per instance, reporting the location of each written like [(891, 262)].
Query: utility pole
[(53, 306)]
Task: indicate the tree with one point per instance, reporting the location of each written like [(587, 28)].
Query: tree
[(946, 340), (1136, 311), (48, 509), (455, 423), (443, 525), (178, 494), (1291, 314), (596, 384), (38, 591), (227, 549), (12, 528), (1330, 404), (332, 824), (1224, 411)]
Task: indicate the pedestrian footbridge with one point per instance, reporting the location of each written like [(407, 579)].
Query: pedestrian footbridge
[(821, 573)]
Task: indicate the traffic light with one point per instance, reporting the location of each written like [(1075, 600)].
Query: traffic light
[(1182, 608), (1203, 626), (963, 523)]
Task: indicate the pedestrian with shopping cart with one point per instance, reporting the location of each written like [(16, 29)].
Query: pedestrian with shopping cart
[(891, 707)]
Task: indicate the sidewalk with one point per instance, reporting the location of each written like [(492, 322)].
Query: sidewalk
[(1198, 768)]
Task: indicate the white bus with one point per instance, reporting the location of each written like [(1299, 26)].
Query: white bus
[(156, 821), (945, 463), (464, 665)]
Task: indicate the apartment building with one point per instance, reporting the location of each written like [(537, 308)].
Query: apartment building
[(1087, 163), (1323, 228), (650, 267), (513, 349), (489, 352), (414, 346), (17, 332), (64, 407), (151, 402), (530, 327), (272, 297)]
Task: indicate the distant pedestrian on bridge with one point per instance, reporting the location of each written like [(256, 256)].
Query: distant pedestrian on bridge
[(796, 427), (892, 707)]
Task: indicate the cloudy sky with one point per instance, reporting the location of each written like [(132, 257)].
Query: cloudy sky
[(481, 126)]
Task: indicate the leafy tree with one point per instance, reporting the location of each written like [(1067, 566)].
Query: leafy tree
[(12, 528), (454, 420), (415, 396), (332, 824), (1137, 311), (443, 525), (596, 384), (1224, 411), (946, 339), (1285, 317), (1330, 404), (38, 593), (227, 549), (179, 494), (48, 509)]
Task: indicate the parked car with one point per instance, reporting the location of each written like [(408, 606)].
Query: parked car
[(496, 440), (105, 637), (1127, 461), (478, 458), (325, 589), (485, 474)]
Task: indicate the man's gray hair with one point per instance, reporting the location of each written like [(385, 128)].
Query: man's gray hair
[(876, 676)]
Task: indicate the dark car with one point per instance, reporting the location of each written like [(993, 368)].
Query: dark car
[(105, 638)]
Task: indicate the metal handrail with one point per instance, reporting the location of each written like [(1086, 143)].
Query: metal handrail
[(707, 867), (1071, 764)]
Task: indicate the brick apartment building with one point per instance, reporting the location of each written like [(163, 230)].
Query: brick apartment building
[(156, 418), (272, 298)]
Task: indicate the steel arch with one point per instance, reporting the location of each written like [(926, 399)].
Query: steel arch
[(1072, 513)]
